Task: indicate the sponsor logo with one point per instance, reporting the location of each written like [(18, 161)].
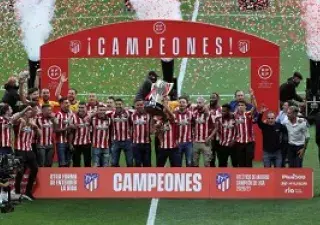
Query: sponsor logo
[(223, 181), (91, 181), (289, 191), (293, 176)]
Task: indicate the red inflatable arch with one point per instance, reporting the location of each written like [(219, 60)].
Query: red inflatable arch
[(167, 39)]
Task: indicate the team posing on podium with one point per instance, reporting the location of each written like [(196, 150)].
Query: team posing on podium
[(182, 134)]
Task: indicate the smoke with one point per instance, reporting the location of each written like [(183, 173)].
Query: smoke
[(310, 17), (157, 9), (34, 17)]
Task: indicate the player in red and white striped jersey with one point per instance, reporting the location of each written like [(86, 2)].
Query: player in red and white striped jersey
[(141, 147), (110, 105), (80, 136), (121, 134), (33, 98), (100, 125), (203, 126), (93, 103), (183, 120), (63, 126), (225, 127), (6, 125), (245, 136), (46, 122), (215, 111), (5, 129), (25, 129), (167, 133)]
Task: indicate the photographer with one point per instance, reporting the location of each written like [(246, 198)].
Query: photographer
[(25, 129)]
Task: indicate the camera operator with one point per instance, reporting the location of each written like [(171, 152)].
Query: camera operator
[(25, 129)]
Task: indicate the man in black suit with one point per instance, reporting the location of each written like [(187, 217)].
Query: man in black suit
[(288, 90)]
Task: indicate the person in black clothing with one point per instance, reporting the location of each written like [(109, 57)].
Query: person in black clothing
[(145, 88), (11, 95), (288, 90), (128, 5), (273, 137)]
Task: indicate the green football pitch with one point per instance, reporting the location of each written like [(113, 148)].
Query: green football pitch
[(280, 24)]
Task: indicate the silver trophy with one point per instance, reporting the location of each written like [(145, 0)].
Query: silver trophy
[(154, 103)]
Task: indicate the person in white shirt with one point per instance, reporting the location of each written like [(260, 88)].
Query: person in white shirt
[(298, 137), (282, 116)]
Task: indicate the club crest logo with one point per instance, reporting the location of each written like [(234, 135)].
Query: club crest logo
[(223, 181), (244, 46), (91, 181), (75, 46)]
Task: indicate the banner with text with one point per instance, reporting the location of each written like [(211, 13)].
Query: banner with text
[(166, 39), (174, 183)]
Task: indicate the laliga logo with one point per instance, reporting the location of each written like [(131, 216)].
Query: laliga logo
[(265, 72), (159, 27), (54, 72)]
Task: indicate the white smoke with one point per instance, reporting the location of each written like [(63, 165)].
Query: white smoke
[(34, 17), (310, 16), (157, 9)]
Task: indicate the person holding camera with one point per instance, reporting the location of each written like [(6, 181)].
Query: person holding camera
[(25, 128)]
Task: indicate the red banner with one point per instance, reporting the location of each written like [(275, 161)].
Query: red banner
[(167, 39), (174, 183)]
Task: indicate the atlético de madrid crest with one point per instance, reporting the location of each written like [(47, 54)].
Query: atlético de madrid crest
[(244, 46), (75, 46)]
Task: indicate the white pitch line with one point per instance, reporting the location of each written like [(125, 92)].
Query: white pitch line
[(153, 211), (154, 202), (184, 62)]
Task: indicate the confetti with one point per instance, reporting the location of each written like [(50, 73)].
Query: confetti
[(281, 24)]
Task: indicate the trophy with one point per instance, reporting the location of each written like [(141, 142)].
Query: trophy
[(154, 101)]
